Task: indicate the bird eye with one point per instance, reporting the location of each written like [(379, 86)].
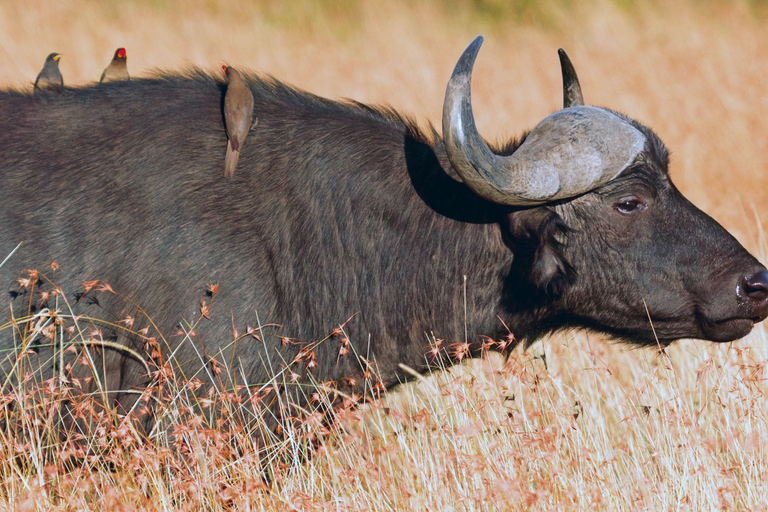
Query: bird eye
[(628, 205)]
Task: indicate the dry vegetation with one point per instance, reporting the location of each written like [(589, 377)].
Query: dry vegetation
[(573, 423)]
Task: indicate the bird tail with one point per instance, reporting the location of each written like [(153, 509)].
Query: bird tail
[(230, 161)]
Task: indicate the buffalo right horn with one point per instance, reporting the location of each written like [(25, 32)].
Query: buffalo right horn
[(569, 153), (572, 96)]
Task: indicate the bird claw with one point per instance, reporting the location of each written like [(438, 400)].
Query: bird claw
[(253, 124)]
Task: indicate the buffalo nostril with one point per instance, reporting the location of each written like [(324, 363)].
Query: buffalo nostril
[(755, 288)]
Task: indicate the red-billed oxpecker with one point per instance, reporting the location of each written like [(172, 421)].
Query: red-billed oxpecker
[(49, 78), (238, 113), (117, 70)]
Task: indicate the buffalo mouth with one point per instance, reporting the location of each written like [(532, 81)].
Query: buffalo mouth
[(728, 329)]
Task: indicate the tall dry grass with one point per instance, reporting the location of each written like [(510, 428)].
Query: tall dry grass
[(575, 422)]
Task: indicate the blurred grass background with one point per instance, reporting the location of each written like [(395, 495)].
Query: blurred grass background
[(696, 72)]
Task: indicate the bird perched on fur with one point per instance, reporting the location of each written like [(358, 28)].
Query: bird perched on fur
[(238, 113), (117, 69), (50, 79)]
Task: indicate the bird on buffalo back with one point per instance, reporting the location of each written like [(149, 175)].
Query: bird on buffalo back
[(117, 69), (49, 78), (238, 113)]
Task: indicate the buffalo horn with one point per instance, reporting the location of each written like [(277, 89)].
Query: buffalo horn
[(569, 153), (572, 96)]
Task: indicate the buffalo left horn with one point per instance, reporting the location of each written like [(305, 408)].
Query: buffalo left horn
[(570, 152)]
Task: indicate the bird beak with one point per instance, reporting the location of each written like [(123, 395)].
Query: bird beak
[(57, 57)]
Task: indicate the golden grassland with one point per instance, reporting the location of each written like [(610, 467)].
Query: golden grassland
[(574, 422)]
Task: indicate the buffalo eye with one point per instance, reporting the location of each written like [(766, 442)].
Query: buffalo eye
[(630, 205)]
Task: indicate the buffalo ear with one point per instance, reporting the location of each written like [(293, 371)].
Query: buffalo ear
[(536, 237)]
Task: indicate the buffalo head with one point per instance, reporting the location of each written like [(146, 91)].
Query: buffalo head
[(601, 237)]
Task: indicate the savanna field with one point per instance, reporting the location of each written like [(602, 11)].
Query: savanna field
[(574, 422)]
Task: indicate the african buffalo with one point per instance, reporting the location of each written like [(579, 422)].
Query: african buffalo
[(342, 213)]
